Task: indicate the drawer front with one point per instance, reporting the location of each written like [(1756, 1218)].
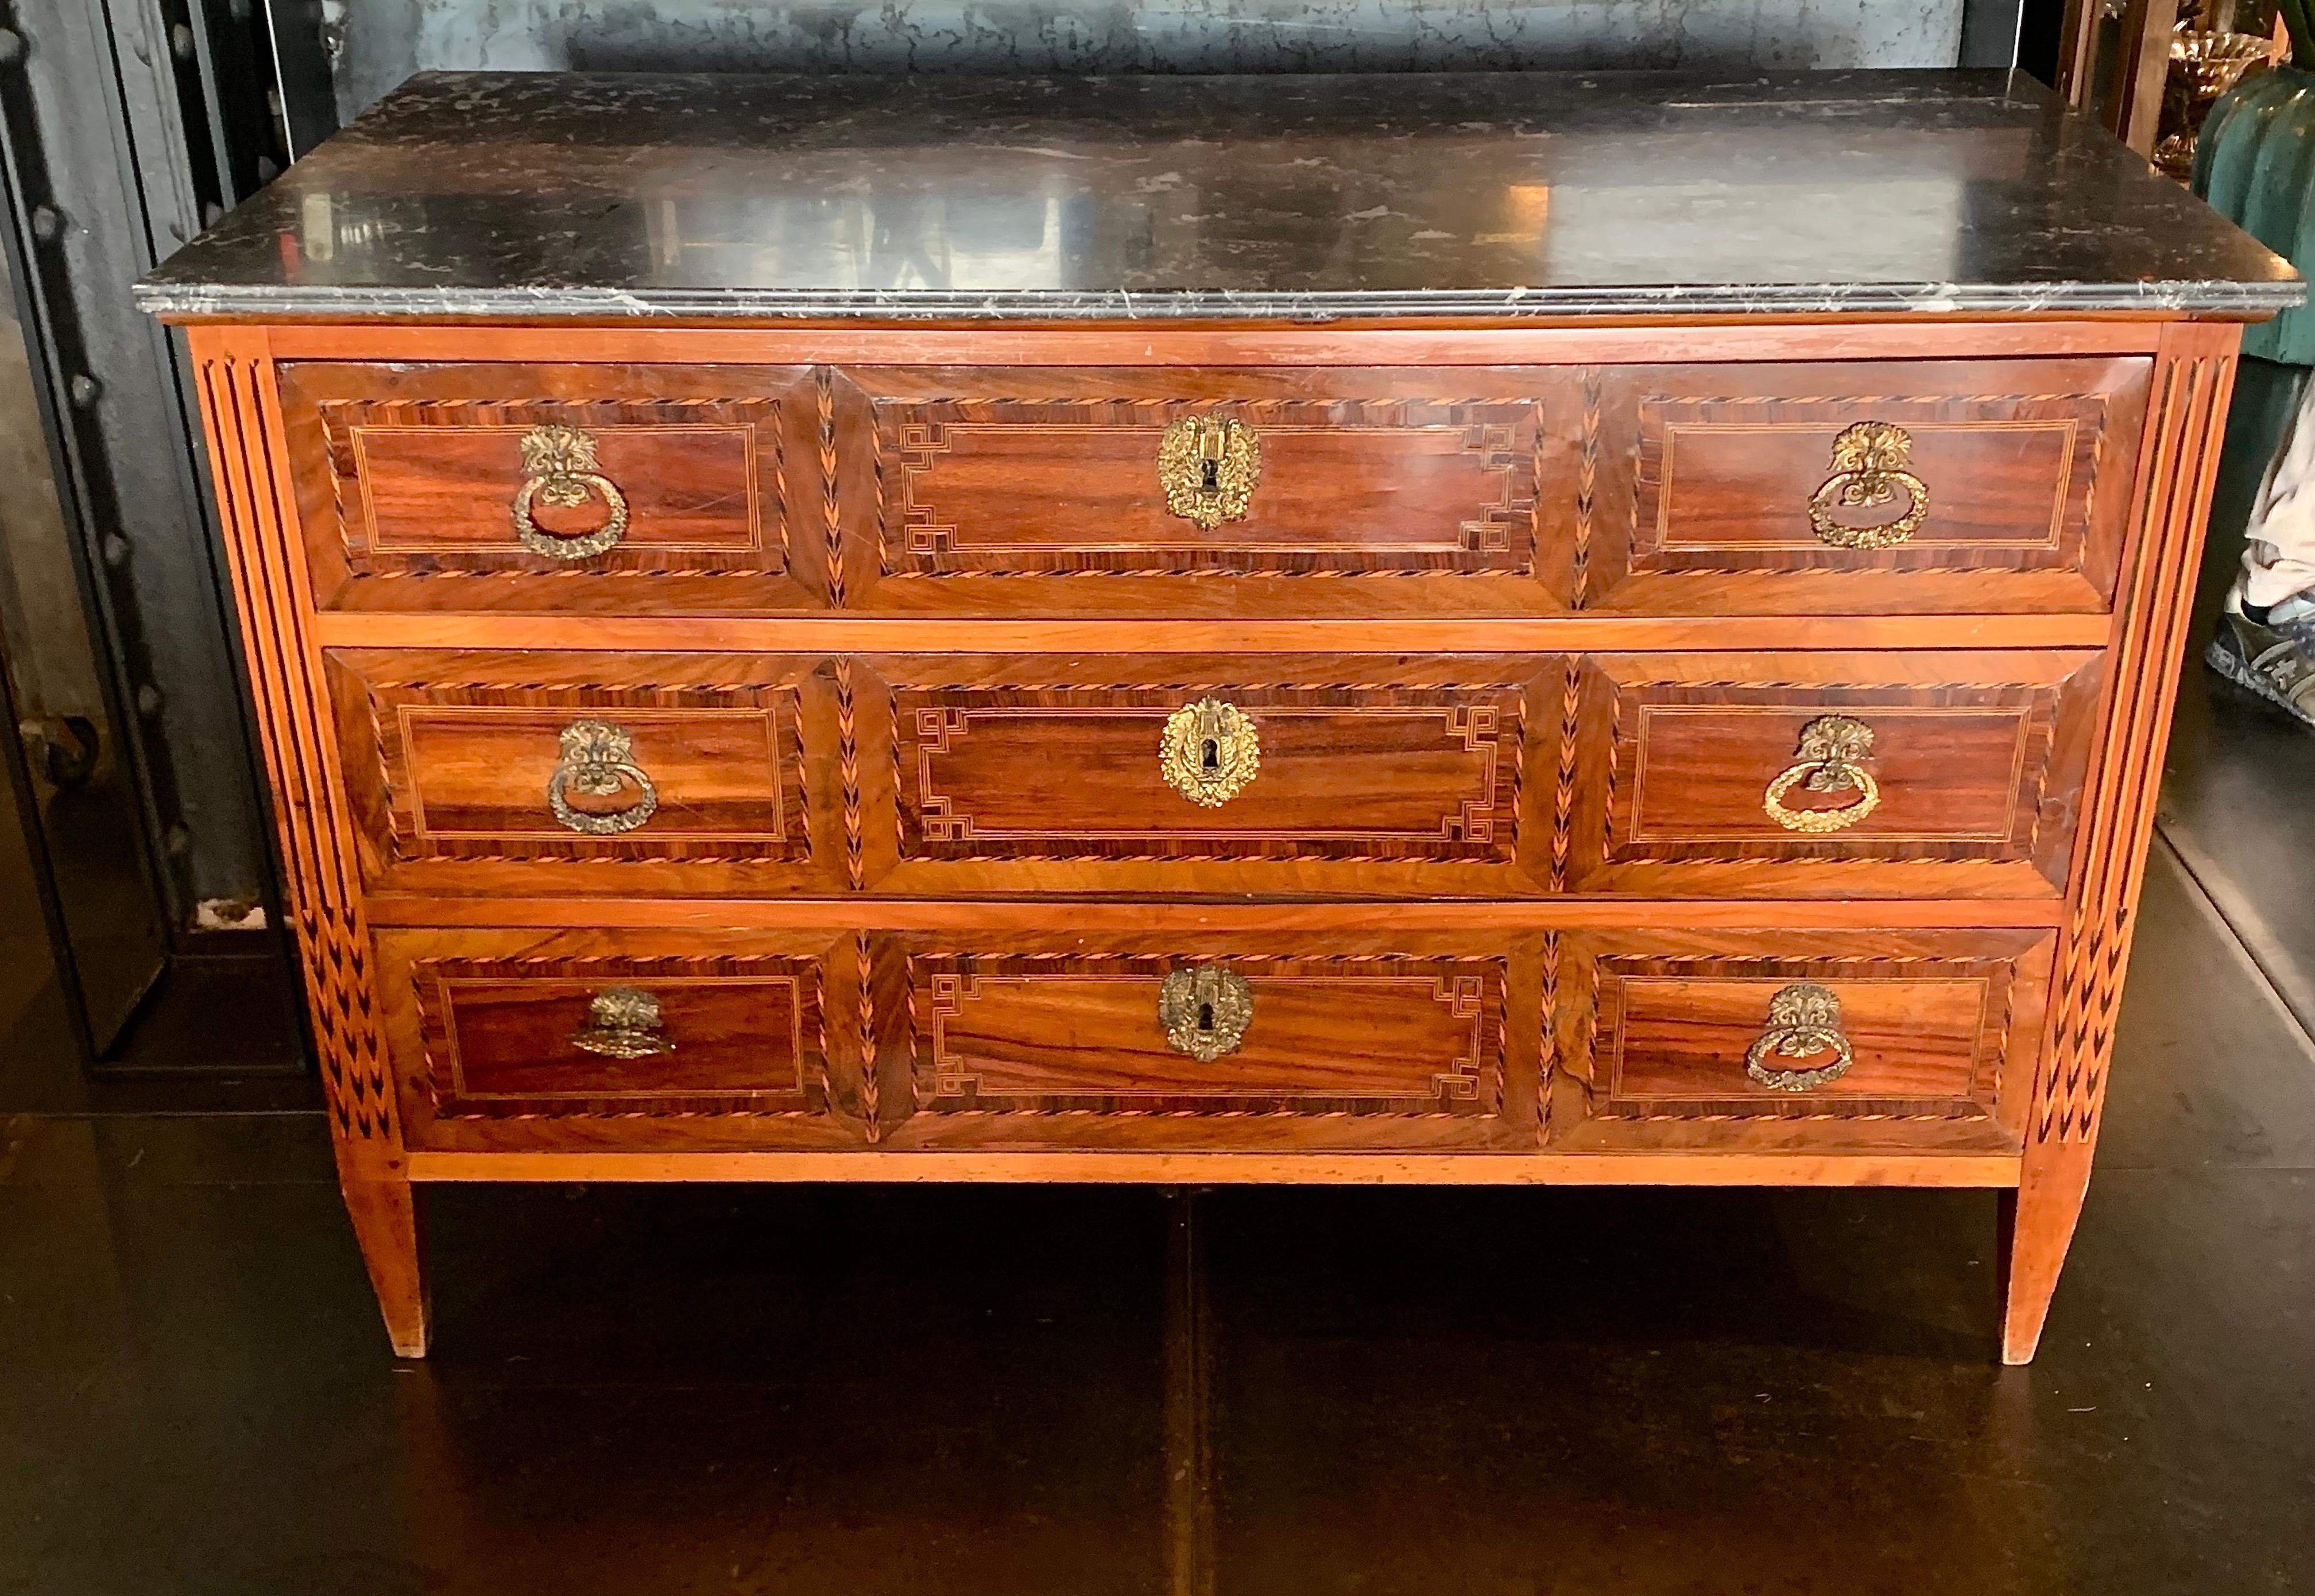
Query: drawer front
[(545, 773), (1853, 487), (505, 1040), (1814, 775), (1334, 774), (1088, 490), (538, 487), (1258, 1040), (1797, 1038)]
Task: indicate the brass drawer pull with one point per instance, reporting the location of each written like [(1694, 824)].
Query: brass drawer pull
[(1830, 747), (1804, 1020), (1869, 463), (1209, 752), (1208, 467), (622, 1023), (1205, 1010), (562, 469), (598, 760)]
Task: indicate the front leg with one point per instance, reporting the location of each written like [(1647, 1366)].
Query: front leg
[(386, 1227)]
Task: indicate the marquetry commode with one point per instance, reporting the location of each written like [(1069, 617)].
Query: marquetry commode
[(815, 646)]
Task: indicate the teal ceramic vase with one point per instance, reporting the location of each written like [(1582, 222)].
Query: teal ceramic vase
[(2255, 162)]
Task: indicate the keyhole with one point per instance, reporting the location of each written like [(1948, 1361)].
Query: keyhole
[(1212, 759), (1205, 1017), (1211, 477)]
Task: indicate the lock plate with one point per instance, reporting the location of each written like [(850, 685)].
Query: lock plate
[(1209, 466), (1205, 1010), (1209, 752)]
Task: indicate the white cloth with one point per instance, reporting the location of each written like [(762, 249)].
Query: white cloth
[(2279, 560)]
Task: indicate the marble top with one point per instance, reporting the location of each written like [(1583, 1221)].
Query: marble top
[(1302, 198)]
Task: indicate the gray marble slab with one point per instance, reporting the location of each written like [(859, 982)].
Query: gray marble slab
[(1301, 197)]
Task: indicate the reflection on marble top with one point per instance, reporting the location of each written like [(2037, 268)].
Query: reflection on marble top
[(1307, 198)]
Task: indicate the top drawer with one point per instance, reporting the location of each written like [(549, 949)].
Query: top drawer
[(1833, 488), (581, 489)]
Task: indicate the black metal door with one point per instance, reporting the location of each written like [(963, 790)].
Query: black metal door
[(76, 867)]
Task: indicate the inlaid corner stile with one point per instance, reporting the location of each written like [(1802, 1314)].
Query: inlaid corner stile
[(257, 514), (2177, 465)]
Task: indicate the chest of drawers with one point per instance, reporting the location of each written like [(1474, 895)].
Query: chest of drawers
[(758, 725)]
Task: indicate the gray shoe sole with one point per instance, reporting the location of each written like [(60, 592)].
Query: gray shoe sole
[(2223, 660)]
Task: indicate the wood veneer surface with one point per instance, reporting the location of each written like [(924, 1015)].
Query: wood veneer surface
[(900, 622)]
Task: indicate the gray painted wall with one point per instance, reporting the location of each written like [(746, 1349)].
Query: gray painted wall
[(376, 43)]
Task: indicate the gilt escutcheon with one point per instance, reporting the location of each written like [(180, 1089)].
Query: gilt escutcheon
[(1209, 466), (1209, 752), (1205, 1010), (622, 1023)]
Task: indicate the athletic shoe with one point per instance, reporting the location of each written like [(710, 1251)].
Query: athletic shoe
[(2268, 661)]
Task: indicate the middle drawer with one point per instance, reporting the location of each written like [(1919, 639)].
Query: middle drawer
[(1945, 774)]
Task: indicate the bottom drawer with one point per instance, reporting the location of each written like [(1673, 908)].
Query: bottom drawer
[(1801, 1039), (653, 1040), (1310, 1041), (1361, 1038)]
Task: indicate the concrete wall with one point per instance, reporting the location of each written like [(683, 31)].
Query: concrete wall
[(376, 43)]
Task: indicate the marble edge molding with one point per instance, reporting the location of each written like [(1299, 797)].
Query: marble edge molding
[(201, 301)]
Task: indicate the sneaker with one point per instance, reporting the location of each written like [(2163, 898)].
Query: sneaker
[(2293, 617), (2267, 661)]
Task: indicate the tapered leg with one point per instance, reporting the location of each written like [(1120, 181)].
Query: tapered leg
[(2037, 1222), (385, 1225)]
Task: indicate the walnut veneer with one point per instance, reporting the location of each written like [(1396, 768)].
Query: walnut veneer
[(845, 758)]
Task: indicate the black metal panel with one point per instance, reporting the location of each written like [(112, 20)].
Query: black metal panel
[(127, 124), (1989, 32), (69, 783), (125, 437), (296, 32)]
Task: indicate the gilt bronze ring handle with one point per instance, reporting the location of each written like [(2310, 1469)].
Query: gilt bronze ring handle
[(598, 760), (622, 1023), (1869, 467), (1830, 749), (1804, 1021), (562, 470)]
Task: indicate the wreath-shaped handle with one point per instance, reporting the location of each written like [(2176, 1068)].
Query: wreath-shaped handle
[(1869, 469), (1804, 1021), (564, 470), (598, 761), (1830, 749), (622, 1023)]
